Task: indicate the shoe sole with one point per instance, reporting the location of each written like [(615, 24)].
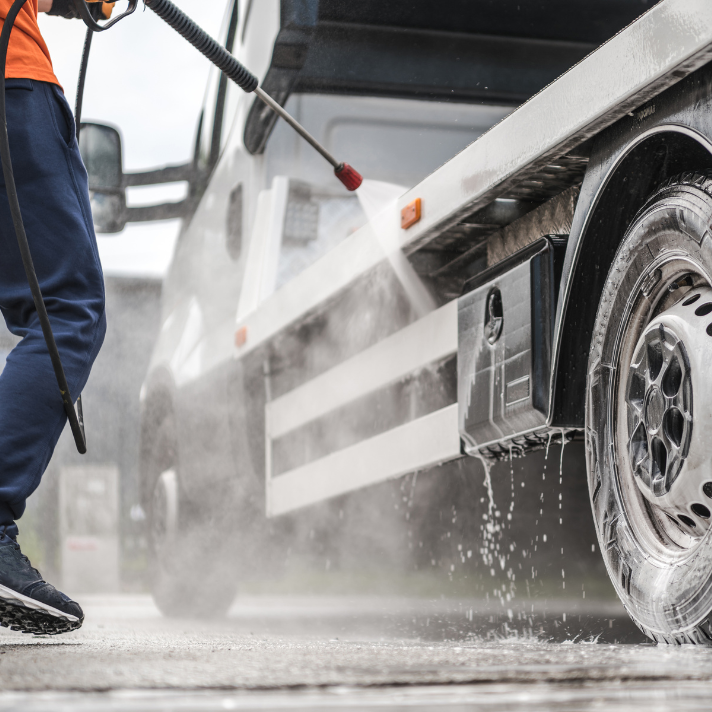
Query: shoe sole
[(26, 615)]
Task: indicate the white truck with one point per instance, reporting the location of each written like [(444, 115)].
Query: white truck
[(515, 275)]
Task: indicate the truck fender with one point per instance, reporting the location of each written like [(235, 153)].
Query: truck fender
[(618, 181)]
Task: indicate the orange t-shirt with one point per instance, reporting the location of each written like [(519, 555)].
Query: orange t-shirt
[(27, 56)]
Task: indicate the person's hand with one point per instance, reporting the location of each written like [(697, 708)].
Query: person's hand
[(99, 9)]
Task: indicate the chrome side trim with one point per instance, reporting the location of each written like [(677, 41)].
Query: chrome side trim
[(426, 341), (417, 445)]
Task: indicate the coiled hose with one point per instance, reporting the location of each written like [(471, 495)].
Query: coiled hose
[(75, 416)]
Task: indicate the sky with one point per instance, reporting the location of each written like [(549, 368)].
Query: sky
[(148, 82)]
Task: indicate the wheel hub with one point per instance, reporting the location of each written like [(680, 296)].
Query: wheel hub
[(659, 401), (655, 409), (669, 453)]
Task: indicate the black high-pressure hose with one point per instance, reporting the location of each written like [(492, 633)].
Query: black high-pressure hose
[(75, 416), (82, 79), (75, 419)]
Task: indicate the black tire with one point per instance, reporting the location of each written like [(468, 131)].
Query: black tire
[(191, 571), (639, 472)]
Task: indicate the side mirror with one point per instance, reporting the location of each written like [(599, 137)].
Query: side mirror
[(101, 151), (100, 146)]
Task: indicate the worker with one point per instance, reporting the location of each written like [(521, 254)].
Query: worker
[(54, 198)]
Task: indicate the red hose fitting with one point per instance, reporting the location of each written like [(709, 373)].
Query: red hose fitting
[(348, 176)]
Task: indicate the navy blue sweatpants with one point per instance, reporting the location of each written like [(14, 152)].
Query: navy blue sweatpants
[(54, 199)]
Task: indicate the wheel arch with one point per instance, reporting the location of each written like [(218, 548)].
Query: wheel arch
[(610, 199)]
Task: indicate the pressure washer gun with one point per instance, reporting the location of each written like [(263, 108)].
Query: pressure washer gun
[(98, 9)]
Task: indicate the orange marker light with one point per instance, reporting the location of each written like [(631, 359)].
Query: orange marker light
[(411, 214), (241, 337)]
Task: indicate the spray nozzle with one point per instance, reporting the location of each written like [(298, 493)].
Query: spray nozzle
[(351, 178)]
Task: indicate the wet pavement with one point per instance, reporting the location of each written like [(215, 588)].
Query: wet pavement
[(334, 654)]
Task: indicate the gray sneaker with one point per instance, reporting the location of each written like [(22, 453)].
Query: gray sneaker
[(27, 602)]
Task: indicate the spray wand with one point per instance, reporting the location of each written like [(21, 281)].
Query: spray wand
[(223, 60), (247, 81)]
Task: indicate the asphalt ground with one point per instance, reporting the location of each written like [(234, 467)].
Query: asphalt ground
[(344, 654)]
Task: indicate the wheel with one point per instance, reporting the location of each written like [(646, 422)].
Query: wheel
[(649, 415), (191, 571)]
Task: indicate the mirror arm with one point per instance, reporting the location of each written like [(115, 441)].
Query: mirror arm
[(169, 174), (163, 211)]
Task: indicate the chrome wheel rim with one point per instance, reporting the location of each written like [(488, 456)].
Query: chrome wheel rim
[(659, 399), (663, 409)]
